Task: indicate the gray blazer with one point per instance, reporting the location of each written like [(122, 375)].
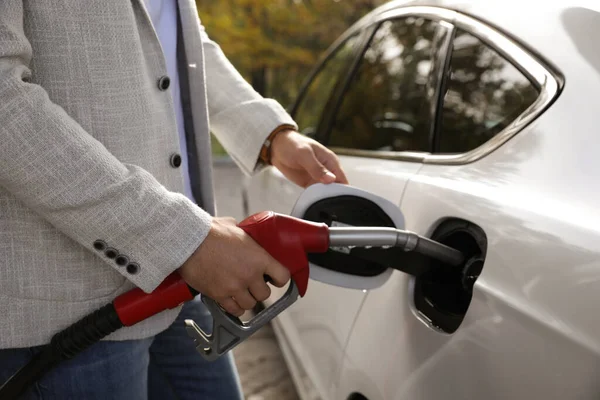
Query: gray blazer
[(90, 202)]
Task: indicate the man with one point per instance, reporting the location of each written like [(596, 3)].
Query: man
[(106, 184)]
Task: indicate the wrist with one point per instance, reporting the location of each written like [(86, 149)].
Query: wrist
[(267, 149)]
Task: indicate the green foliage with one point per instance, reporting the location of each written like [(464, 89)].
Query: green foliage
[(217, 148), (275, 43), (278, 41)]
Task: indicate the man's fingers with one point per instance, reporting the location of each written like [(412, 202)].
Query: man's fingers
[(317, 171), (260, 291), (279, 274), (231, 306), (333, 163), (245, 299)]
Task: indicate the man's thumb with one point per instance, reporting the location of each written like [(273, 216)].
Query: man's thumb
[(317, 170)]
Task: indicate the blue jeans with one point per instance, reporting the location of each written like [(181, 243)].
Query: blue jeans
[(164, 367)]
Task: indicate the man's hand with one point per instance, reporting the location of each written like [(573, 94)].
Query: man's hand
[(305, 161), (229, 267)]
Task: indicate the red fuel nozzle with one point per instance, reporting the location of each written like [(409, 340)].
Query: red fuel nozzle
[(288, 239)]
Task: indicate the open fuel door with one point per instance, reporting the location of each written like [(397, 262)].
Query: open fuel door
[(341, 206), (367, 239)]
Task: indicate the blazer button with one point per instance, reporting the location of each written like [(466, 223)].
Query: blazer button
[(164, 82), (99, 245), (175, 160), (110, 252), (133, 268), (121, 260)]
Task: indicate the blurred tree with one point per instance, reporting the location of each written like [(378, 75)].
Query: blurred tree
[(274, 43)]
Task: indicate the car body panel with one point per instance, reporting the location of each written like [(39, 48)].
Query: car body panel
[(531, 329)]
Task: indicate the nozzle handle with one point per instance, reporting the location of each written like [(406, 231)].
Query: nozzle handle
[(285, 238), (288, 239), (228, 330)]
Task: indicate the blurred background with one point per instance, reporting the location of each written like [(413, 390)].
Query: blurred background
[(275, 43)]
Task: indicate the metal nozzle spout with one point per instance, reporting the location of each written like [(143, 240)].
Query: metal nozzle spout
[(391, 237)]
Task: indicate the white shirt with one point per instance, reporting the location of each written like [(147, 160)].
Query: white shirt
[(163, 14)]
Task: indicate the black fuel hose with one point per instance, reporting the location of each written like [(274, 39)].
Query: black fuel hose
[(63, 346), (439, 251)]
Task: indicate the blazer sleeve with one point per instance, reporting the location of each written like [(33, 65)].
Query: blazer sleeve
[(239, 116), (51, 164)]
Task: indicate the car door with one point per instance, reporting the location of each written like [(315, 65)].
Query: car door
[(398, 68), (504, 334)]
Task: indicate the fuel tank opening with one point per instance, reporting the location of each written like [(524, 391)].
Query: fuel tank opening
[(442, 295), (348, 210)]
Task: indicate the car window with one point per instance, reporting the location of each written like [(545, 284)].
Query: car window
[(312, 103), (387, 105), (484, 94)]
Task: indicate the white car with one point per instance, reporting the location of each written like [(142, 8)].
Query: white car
[(479, 120)]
